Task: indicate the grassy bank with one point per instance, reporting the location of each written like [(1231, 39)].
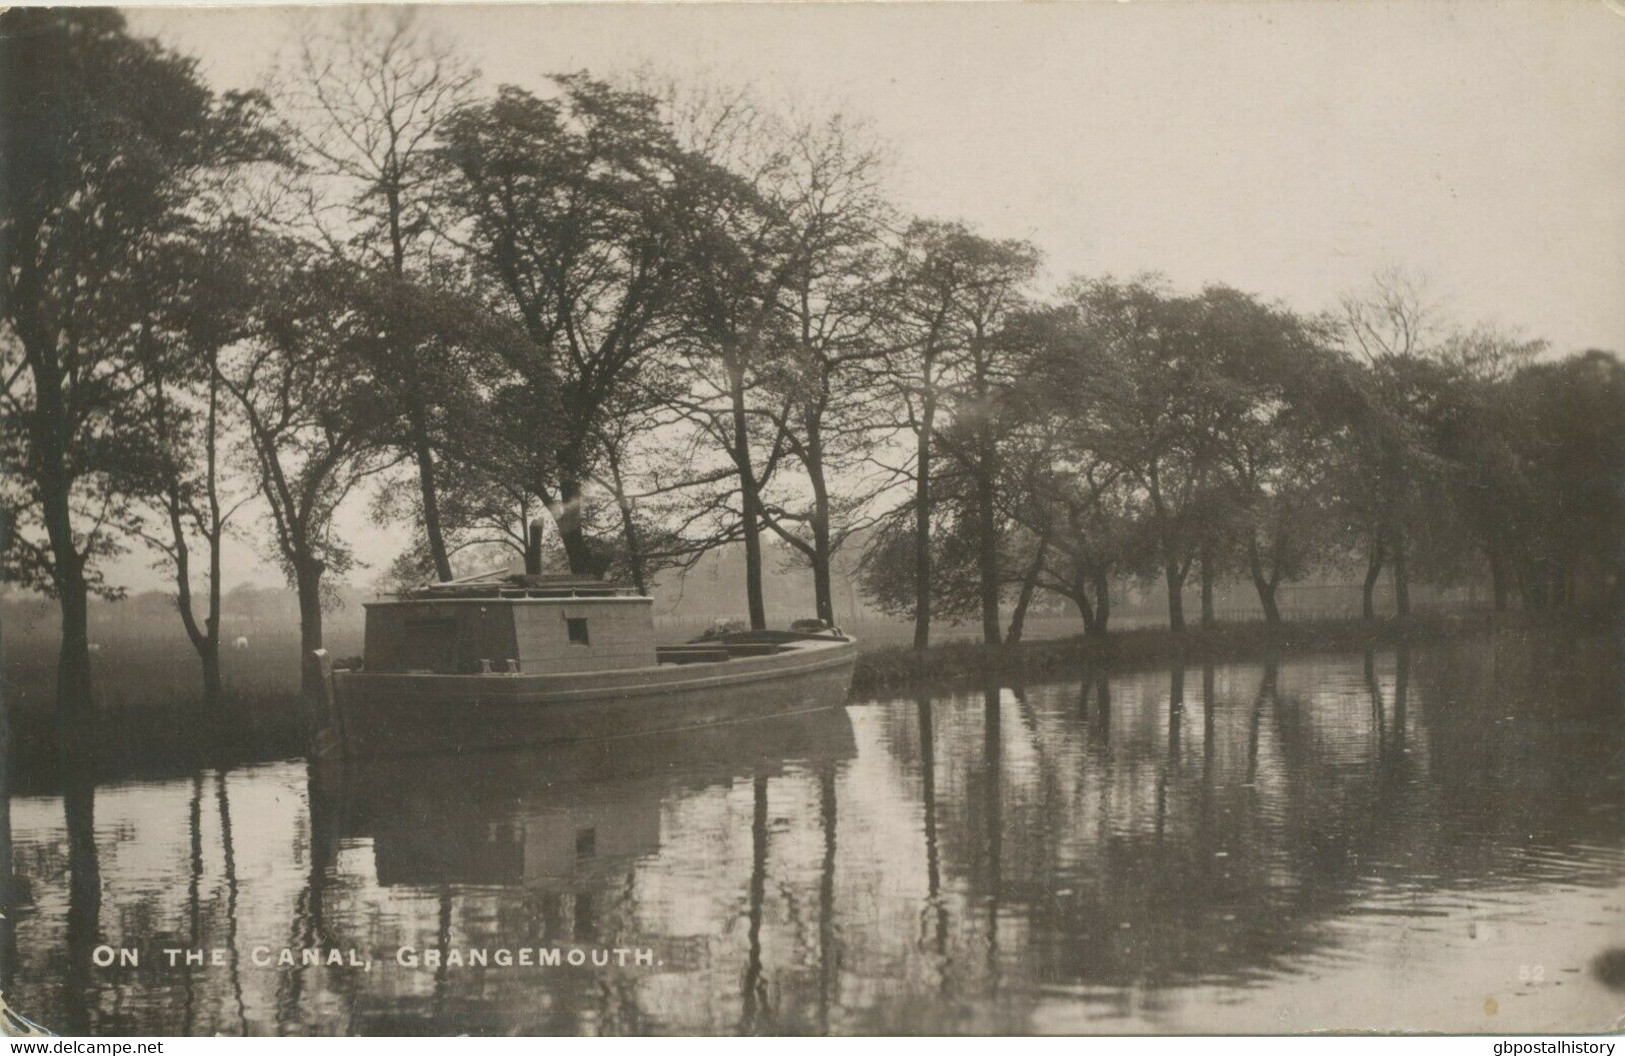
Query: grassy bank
[(895, 667), (155, 740)]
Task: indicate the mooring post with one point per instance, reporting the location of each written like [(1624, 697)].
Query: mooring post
[(324, 664), (533, 549)]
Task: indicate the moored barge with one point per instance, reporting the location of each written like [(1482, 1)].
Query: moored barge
[(505, 660)]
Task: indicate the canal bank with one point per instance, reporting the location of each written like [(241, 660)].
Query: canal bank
[(892, 668)]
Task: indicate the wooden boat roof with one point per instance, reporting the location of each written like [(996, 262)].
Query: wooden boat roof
[(501, 583)]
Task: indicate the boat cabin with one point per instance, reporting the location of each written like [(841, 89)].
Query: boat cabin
[(531, 624)]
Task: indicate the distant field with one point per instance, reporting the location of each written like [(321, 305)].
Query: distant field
[(136, 666)]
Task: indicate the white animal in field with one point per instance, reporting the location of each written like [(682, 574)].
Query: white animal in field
[(241, 642), (94, 647)]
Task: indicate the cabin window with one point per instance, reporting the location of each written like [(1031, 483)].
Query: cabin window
[(578, 631), (586, 843)]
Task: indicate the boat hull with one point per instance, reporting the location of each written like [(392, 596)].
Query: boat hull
[(387, 714)]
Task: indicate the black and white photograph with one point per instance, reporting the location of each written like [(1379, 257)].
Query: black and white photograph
[(796, 518)]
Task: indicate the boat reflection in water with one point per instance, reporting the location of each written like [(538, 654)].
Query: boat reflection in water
[(525, 850), (551, 820)]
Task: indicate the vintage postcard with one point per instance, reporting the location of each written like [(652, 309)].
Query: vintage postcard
[(836, 519)]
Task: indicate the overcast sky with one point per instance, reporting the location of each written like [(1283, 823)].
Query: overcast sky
[(1289, 149)]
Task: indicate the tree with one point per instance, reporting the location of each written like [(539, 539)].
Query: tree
[(736, 252), (107, 141), (1152, 413), (663, 501), (368, 104), (1091, 546), (1389, 331), (562, 206), (887, 566), (205, 307), (486, 517), (437, 356), (1481, 431), (1573, 516), (315, 423), (818, 390), (1073, 504), (978, 398), (951, 291), (1266, 366), (1063, 486)]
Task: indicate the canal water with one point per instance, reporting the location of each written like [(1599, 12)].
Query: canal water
[(1431, 839)]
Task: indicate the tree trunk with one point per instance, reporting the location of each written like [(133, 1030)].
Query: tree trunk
[(1018, 616), (1272, 612), (922, 524), (50, 433), (567, 516), (1103, 603), (213, 690), (213, 687), (1085, 610), (1208, 619), (421, 451), (74, 710), (823, 586), (634, 546), (987, 556), (750, 505), (73, 700), (205, 639), (431, 508), (1402, 580), (1176, 602), (308, 582), (822, 549), (209, 651), (1373, 570), (1029, 585), (1265, 585)]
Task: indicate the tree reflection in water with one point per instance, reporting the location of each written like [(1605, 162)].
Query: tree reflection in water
[(10, 903), (755, 992), (83, 927), (1085, 854)]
